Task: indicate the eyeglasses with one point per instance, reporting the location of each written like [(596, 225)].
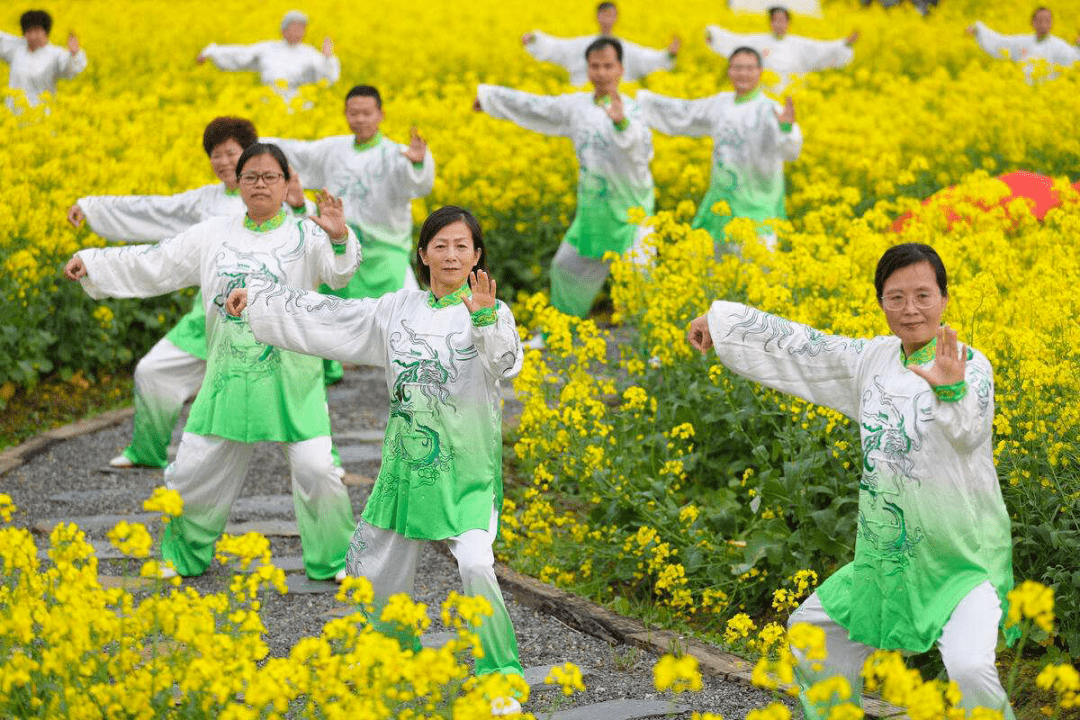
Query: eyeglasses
[(267, 177), (923, 301)]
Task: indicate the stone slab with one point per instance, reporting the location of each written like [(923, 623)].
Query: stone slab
[(436, 640), (102, 550), (264, 505), (536, 675), (626, 709), (303, 585), (98, 422), (367, 435), (272, 528), (129, 583), (366, 452), (96, 523), (343, 394)]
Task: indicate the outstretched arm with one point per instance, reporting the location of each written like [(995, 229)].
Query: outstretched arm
[(139, 217), (139, 270), (547, 114), (676, 116), (231, 57), (995, 43)]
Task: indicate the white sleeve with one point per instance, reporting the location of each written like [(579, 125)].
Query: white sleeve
[(817, 55), (71, 65), (676, 116), (639, 61), (9, 44), (141, 217), (786, 356), (723, 42), (561, 51), (788, 144), (969, 422), (410, 181), (547, 114), (233, 57), (323, 325), (307, 157), (635, 133), (499, 345), (993, 43), (1065, 53), (328, 68), (143, 270), (335, 263)]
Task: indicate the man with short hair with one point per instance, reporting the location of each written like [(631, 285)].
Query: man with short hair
[(1027, 48), (614, 149), (569, 53), (288, 59), (35, 64), (787, 55)]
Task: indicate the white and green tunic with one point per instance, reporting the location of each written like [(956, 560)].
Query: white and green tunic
[(750, 147), (569, 53), (1026, 48), (275, 60), (788, 56), (613, 177), (251, 392), (36, 71), (932, 521)]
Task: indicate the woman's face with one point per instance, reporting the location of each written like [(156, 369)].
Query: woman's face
[(223, 157), (913, 292), (450, 255), (262, 187)]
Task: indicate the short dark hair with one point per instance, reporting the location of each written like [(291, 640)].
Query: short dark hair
[(1037, 11), (778, 9), (365, 91), (744, 49), (606, 6), (224, 128), (259, 148), (900, 256), (435, 222), (36, 18), (601, 43)]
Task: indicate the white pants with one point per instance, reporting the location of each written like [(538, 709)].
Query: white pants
[(165, 378), (967, 645)]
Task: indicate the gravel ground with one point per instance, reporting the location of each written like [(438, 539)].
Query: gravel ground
[(72, 480)]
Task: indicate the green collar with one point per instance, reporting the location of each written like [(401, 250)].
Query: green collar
[(777, 37), (604, 101), (268, 225), (921, 356), (752, 95), (369, 143), (1042, 39), (232, 193), (453, 298)]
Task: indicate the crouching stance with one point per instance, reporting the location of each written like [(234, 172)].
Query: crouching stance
[(252, 392), (445, 352)]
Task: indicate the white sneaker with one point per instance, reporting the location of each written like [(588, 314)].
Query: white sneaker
[(121, 461), (505, 706), (339, 471), (536, 342), (340, 576)]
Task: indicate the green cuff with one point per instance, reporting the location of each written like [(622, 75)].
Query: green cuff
[(786, 127), (622, 124), (671, 55), (302, 210), (483, 317), (951, 393), (418, 165)]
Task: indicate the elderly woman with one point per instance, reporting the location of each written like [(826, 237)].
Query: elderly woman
[(252, 392), (288, 59), (171, 373), (445, 352), (933, 555), (35, 64)]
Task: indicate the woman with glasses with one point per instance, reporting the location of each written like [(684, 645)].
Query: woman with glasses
[(252, 392), (933, 553)]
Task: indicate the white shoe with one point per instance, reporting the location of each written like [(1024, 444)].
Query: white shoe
[(165, 572), (505, 706), (121, 461), (536, 342), (339, 471), (340, 576)]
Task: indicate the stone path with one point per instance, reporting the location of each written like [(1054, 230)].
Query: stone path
[(63, 477)]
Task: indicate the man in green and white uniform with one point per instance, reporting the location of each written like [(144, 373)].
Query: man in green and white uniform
[(614, 148), (752, 139)]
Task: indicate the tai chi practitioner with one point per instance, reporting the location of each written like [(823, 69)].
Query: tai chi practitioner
[(252, 392), (288, 59), (172, 372), (377, 179), (569, 53), (445, 352), (614, 148), (933, 553), (786, 55), (752, 139), (1026, 48), (36, 65)]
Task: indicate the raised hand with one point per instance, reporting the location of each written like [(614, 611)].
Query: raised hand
[(852, 38), (971, 30), (788, 113), (236, 302), (75, 215), (699, 336), (73, 44), (615, 110), (417, 147), (75, 268), (528, 38), (200, 59), (950, 360), (328, 46), (674, 45), (476, 104), (294, 192), (708, 37), (483, 291), (331, 217)]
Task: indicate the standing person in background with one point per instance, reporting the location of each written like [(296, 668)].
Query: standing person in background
[(35, 64), (288, 59), (172, 372), (252, 392), (1026, 48), (377, 179), (614, 148), (752, 139), (569, 53), (786, 55)]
